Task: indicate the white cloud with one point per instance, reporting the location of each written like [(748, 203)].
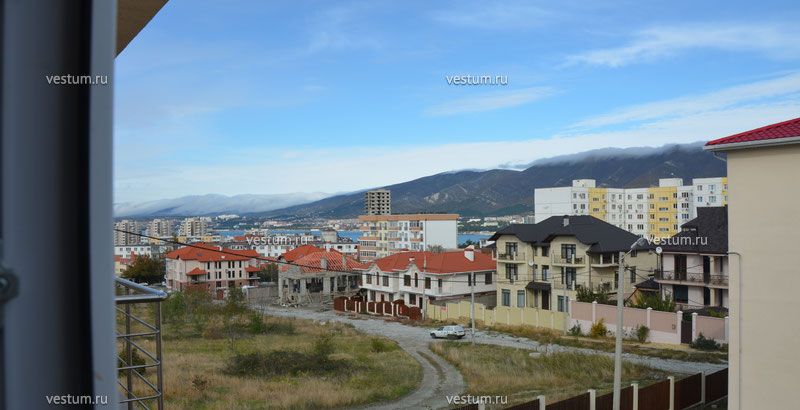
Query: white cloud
[(729, 97), (344, 169), (489, 102), (773, 40)]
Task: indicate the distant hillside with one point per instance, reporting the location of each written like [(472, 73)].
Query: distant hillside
[(503, 192), (212, 204)]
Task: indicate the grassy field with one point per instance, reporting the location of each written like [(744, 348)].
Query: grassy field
[(549, 336), (494, 370), (253, 362)]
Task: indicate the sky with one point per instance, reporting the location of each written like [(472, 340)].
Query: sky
[(272, 97)]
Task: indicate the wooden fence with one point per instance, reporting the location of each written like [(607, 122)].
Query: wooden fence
[(359, 305), (686, 393)]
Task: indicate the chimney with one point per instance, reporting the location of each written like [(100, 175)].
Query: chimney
[(344, 262), (323, 263), (566, 220), (469, 253)]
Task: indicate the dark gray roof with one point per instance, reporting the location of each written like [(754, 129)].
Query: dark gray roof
[(708, 233), (649, 284), (601, 235)]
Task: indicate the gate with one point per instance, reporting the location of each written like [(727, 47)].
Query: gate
[(686, 331)]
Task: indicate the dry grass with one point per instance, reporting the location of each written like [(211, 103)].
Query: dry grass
[(493, 370), (549, 336), (191, 361)]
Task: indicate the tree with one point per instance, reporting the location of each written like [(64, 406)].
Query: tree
[(145, 269), (268, 272), (654, 301), (468, 242), (435, 248), (585, 294)]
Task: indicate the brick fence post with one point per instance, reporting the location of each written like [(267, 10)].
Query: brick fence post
[(649, 310), (592, 399), (635, 397), (727, 329), (594, 311), (678, 320), (542, 405), (694, 326)]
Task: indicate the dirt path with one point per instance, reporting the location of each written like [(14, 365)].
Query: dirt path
[(441, 379)]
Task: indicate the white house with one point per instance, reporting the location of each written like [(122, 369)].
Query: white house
[(418, 278)]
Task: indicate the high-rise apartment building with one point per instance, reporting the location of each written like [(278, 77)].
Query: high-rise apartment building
[(195, 227), (125, 232), (159, 228), (384, 235), (378, 202), (654, 211)]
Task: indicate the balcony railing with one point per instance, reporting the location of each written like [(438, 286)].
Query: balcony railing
[(568, 260), (136, 334), (692, 277), (511, 256)]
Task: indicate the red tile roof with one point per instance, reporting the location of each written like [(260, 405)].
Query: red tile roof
[(202, 252), (786, 129), (196, 272), (441, 262), (334, 260), (299, 252)]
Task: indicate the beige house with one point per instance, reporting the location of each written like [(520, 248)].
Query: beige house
[(541, 265), (763, 203)]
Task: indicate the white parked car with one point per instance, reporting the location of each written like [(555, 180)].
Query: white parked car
[(448, 332)]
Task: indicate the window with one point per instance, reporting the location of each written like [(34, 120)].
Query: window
[(680, 263), (428, 283), (506, 298), (633, 274), (416, 280), (469, 279), (511, 248), (568, 274), (369, 278), (406, 280), (520, 298), (487, 280), (412, 299), (563, 303), (386, 280), (545, 273), (511, 272), (439, 283), (680, 293), (567, 251)]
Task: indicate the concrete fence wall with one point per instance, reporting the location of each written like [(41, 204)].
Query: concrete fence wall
[(665, 327), (499, 315)]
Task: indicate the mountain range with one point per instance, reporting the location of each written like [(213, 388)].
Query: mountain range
[(469, 192)]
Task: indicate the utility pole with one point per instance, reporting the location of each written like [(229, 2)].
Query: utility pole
[(472, 304), (618, 344), (564, 303)]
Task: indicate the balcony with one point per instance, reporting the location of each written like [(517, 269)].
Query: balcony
[(569, 260), (696, 278), (512, 257), (140, 377), (604, 261)]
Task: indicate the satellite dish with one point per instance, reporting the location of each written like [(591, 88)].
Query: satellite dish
[(530, 263), (659, 250)]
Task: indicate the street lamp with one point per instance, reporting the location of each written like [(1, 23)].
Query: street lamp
[(618, 345)]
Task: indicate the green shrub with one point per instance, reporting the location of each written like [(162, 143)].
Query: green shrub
[(598, 329), (136, 360), (654, 301), (642, 332), (256, 325), (703, 343), (200, 383), (283, 363), (575, 330), (279, 328), (378, 345), (323, 346)]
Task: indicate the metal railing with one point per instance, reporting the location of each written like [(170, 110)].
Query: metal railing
[(136, 386), (694, 277), (511, 256)]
